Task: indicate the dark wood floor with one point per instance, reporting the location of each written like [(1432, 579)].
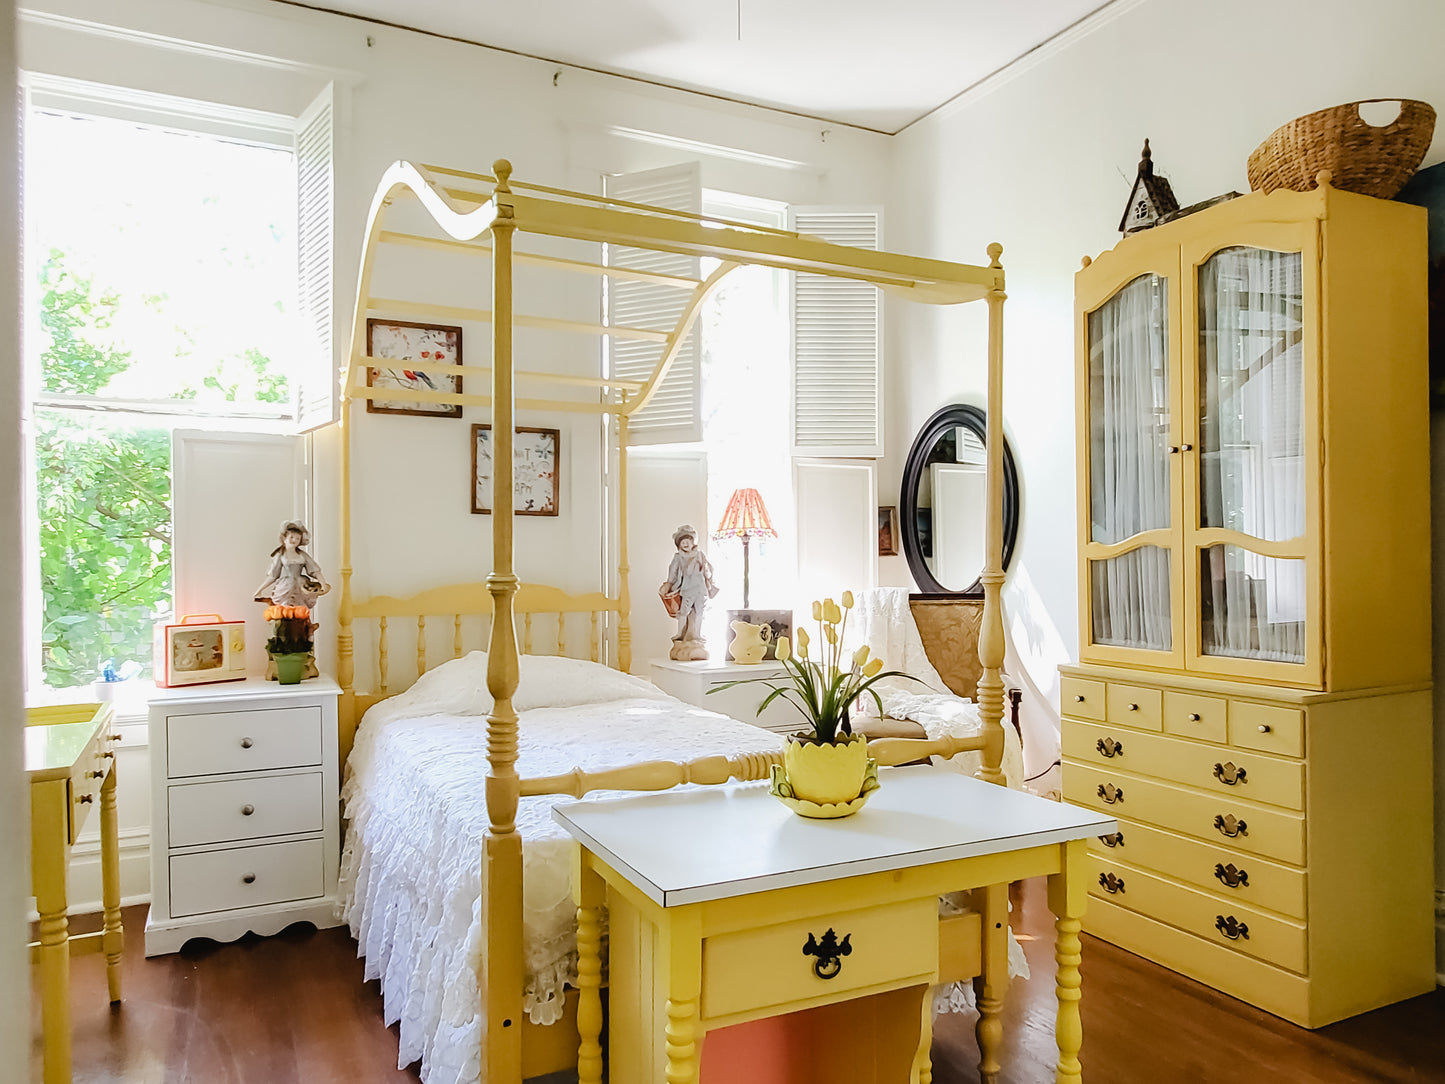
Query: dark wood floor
[(292, 1009)]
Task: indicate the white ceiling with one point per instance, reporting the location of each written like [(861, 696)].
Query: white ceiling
[(870, 63)]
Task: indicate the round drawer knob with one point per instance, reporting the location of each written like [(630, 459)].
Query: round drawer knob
[(1194, 716), (1133, 707), (95, 775), (248, 878), (246, 743), (1079, 698), (247, 810), (86, 799), (1264, 728)]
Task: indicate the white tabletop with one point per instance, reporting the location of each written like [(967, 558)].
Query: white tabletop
[(709, 843)]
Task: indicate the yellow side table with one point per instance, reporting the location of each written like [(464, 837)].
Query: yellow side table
[(70, 762)]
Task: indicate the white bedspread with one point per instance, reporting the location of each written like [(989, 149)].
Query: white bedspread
[(410, 877)]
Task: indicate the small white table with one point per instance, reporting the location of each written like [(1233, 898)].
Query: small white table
[(723, 908), (692, 681)]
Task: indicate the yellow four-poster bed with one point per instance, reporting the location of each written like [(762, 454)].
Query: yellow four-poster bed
[(478, 215)]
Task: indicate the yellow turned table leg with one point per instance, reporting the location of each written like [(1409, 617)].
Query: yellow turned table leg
[(923, 1060), (683, 1032), (989, 986), (590, 891), (1068, 893), (49, 837), (112, 941)]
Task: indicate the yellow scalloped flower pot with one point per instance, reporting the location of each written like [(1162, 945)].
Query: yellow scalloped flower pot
[(827, 774)]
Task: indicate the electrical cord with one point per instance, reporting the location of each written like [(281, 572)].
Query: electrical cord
[(1046, 771)]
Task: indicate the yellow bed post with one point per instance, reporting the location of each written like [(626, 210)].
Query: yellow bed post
[(501, 974), (624, 591), (345, 638), (991, 634)]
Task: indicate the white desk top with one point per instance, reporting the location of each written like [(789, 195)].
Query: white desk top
[(689, 846)]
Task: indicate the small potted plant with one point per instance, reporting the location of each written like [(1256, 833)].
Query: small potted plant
[(290, 643), (826, 771)]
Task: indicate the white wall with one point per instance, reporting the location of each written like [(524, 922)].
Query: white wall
[(14, 794), (1042, 160)]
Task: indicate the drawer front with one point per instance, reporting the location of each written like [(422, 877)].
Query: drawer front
[(86, 776), (1133, 705), (754, 969), (244, 809), (1224, 922), (242, 741), (1267, 727), (1190, 715), (245, 877), (1227, 873), (1238, 825), (741, 703), (1081, 698), (1212, 768)]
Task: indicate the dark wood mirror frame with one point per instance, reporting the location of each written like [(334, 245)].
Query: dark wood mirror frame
[(949, 417)]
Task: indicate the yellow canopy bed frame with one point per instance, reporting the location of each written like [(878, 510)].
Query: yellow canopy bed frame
[(480, 215)]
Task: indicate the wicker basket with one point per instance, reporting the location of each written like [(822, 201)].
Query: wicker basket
[(1362, 158)]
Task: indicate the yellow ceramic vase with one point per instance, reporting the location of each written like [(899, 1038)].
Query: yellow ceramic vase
[(827, 774)]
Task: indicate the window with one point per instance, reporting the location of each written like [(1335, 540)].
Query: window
[(162, 260)]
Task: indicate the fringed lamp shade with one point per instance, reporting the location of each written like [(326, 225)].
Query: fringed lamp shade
[(746, 517)]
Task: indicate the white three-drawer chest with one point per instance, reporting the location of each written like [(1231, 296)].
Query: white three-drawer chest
[(245, 823)]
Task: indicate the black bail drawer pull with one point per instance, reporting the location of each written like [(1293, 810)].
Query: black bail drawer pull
[(1109, 747), (1229, 775), (1228, 875), (1231, 927), (1230, 827), (1111, 793), (828, 953), (1111, 884), (1114, 840)]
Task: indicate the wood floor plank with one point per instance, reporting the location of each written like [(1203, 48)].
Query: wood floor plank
[(293, 1009)]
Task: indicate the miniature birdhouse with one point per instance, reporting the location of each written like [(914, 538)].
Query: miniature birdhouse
[(1151, 200)]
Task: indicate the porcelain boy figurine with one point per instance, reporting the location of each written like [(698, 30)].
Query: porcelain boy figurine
[(689, 581)]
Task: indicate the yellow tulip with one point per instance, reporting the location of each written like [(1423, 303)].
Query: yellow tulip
[(831, 633), (803, 641), (873, 667), (783, 649), (847, 600), (817, 611), (831, 613), (860, 656)]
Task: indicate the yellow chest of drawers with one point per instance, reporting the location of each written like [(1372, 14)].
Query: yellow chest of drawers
[(1273, 843)]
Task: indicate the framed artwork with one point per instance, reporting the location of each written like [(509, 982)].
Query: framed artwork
[(534, 470), (888, 531), (406, 341)]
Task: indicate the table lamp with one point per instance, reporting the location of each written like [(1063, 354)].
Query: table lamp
[(747, 518)]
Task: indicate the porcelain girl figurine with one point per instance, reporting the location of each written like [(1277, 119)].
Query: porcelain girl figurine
[(294, 579), (689, 578)]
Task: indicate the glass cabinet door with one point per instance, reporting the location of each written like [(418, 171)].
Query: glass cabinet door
[(1251, 490), (1130, 515)]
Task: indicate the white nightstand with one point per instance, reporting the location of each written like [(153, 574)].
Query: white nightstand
[(691, 681), (245, 824)]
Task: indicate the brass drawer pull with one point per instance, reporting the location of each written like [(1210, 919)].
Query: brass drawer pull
[(246, 743), (1109, 747), (86, 799), (1229, 826), (247, 809), (114, 737), (1111, 793), (1231, 927), (828, 954), (1114, 840), (248, 878), (1228, 875), (1111, 884), (95, 775), (1229, 775)]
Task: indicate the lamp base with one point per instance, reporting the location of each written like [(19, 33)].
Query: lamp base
[(780, 621)]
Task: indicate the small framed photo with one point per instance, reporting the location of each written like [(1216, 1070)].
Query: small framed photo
[(888, 531), (405, 341), (534, 470)]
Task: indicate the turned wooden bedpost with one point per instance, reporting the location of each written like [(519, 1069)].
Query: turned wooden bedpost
[(501, 975), (624, 591), (991, 632), (345, 638)]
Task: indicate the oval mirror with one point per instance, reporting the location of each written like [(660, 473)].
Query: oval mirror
[(944, 502)]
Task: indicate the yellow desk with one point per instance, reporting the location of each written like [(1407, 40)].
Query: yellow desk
[(70, 760), (724, 907)]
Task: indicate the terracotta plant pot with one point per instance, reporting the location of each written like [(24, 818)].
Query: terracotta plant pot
[(291, 668), (827, 774)]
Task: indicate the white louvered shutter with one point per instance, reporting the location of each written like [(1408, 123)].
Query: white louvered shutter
[(316, 374), (837, 336), (674, 413)]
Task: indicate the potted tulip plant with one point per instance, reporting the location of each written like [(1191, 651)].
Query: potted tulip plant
[(826, 770), (290, 643)]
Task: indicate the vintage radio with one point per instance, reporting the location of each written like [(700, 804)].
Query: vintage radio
[(199, 648)]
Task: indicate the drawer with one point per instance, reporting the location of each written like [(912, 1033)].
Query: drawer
[(1210, 767), (1267, 727), (1193, 716), (1081, 698), (1227, 873), (247, 808), (245, 877), (755, 969), (242, 741), (741, 703), (1133, 705), (86, 776), (1239, 825), (1266, 937)]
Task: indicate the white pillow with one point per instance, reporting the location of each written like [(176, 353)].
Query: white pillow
[(459, 687)]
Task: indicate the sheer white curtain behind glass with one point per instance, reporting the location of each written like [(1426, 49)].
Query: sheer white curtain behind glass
[(1251, 359), (1129, 464)]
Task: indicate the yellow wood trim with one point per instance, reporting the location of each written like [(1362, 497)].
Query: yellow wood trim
[(678, 335), (407, 395), (457, 312), (1163, 537), (656, 775), (1285, 549), (624, 568), (485, 372), (474, 598)]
